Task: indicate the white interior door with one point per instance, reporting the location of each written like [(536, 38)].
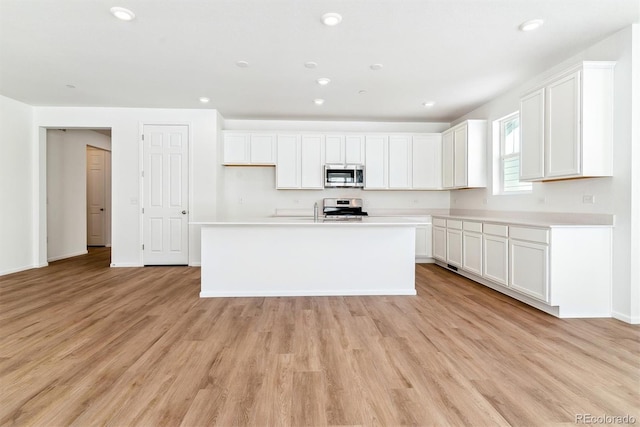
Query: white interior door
[(96, 197), (165, 189)]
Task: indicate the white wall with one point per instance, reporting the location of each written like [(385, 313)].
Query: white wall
[(67, 190), (16, 186), (126, 130), (612, 195)]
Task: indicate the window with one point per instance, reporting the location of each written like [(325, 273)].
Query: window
[(510, 156)]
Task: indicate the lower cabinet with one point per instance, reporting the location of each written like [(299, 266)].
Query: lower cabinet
[(454, 243), (496, 258), (495, 247), (423, 241), (439, 242), (565, 270), (472, 247), (529, 268)]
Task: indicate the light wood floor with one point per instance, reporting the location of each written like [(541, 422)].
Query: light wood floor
[(84, 344)]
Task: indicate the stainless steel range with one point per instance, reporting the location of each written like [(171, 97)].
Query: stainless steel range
[(342, 209)]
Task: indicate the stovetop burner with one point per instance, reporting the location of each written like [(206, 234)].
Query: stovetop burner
[(343, 209)]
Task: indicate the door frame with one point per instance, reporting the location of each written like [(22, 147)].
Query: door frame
[(40, 211), (141, 126)]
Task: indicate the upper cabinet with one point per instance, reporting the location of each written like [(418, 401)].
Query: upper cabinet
[(426, 167), (403, 162), (399, 161), (567, 125), (245, 148), (464, 155), (376, 172), (288, 169), (299, 161), (340, 149)]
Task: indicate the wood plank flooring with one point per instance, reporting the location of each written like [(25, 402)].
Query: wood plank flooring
[(84, 344)]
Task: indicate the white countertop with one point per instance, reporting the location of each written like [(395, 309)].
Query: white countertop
[(366, 221), (569, 221)]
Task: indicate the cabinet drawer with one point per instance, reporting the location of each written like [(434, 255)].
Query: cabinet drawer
[(538, 235), (454, 224), (496, 230), (439, 222), (472, 226)]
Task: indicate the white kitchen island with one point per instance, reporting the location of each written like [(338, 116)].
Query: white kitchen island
[(301, 257)]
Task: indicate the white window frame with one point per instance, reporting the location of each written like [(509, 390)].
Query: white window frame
[(523, 187)]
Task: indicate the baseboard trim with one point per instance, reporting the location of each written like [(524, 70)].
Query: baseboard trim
[(195, 264), (71, 255), (549, 309), (18, 269), (625, 318), (125, 264), (311, 293)]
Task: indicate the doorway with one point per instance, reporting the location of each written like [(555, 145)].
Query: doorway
[(67, 190)]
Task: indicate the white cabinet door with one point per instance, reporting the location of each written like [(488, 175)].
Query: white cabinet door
[(376, 155), (400, 162), (244, 148), (460, 157), (472, 252), (427, 162), (529, 268), (288, 162), (440, 243), (454, 247), (311, 162), (563, 127), (334, 149), (447, 160), (262, 149), (236, 148), (423, 241), (532, 136), (354, 150), (496, 259)]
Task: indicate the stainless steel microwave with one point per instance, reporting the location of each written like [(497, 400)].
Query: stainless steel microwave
[(343, 176)]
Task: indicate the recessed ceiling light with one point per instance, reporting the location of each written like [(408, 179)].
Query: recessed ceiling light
[(318, 101), (122, 13), (323, 81), (376, 67), (362, 92), (204, 99), (428, 104), (331, 19), (242, 64), (531, 25), (71, 86), (310, 64)]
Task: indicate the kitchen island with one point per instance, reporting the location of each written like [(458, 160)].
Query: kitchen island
[(302, 257)]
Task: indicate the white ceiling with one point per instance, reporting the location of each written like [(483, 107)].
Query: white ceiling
[(458, 53)]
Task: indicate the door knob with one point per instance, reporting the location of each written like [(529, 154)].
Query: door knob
[(184, 212)]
